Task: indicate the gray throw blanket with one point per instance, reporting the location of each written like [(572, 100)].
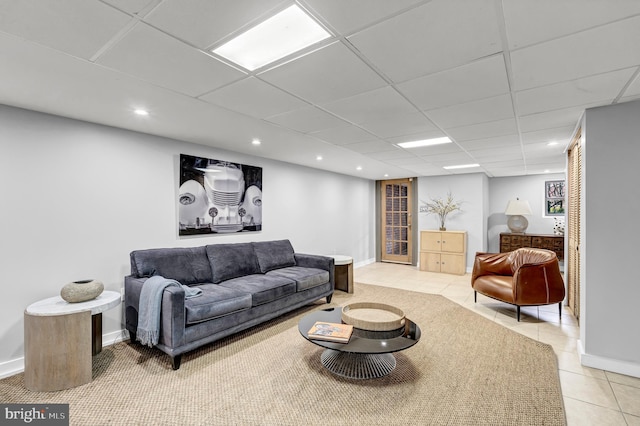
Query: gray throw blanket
[(148, 331)]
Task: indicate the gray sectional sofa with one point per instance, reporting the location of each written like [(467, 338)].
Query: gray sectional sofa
[(243, 284)]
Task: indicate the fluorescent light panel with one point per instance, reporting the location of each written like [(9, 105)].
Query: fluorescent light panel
[(425, 142), (461, 166), (281, 35)]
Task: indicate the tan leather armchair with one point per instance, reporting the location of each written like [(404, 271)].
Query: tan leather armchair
[(523, 277)]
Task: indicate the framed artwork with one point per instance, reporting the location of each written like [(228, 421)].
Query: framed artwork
[(554, 197), (216, 196)]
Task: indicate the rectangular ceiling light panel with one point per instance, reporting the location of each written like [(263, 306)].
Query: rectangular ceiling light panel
[(281, 35), (425, 142)]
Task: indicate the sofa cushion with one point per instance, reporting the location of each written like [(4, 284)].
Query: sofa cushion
[(214, 302), (232, 260), (188, 265), (263, 288), (274, 254), (305, 278)]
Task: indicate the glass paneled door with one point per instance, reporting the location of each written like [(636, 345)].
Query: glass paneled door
[(396, 221)]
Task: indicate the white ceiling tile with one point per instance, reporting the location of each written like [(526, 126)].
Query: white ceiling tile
[(483, 130), (599, 50), (534, 151), (308, 78), (491, 109), (431, 38), (371, 106), (497, 154), (254, 97), (410, 161), (431, 134), (347, 16), (77, 27), (599, 88), (393, 153), (370, 147), (394, 126), (634, 87), (558, 134), (154, 56), (493, 142), (343, 135), (425, 169), (449, 159), (480, 79), (307, 120), (205, 22), (529, 22), (134, 7), (551, 119)]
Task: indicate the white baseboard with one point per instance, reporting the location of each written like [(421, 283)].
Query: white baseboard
[(364, 263), (16, 366), (608, 364)]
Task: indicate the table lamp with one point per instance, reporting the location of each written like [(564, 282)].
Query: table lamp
[(517, 223)]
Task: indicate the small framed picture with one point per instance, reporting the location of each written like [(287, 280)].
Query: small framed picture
[(554, 197)]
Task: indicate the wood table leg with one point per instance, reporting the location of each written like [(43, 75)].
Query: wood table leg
[(96, 334)]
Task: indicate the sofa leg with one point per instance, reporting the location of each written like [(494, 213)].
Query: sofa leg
[(560, 309), (132, 336), (175, 361), (475, 297), (518, 312), (329, 298)]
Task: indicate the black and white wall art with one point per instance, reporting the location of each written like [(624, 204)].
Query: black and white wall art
[(217, 196)]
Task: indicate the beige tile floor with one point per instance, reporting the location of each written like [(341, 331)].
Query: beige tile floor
[(591, 396)]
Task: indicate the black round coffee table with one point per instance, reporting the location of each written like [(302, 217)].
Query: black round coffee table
[(368, 355)]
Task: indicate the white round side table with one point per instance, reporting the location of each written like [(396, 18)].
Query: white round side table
[(343, 272), (60, 338)]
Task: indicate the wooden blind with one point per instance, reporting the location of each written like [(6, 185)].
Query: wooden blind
[(574, 195)]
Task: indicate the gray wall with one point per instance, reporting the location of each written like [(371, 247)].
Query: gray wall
[(610, 293), (530, 188), (78, 197)]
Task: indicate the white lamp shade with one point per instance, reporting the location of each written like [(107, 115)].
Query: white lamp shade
[(517, 207)]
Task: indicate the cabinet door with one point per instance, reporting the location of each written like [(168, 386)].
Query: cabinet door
[(430, 262), (431, 241), (452, 264), (453, 242)]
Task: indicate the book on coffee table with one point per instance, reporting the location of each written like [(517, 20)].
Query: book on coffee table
[(331, 331)]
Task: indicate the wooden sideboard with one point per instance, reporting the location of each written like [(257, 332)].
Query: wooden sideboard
[(443, 251), (510, 242)]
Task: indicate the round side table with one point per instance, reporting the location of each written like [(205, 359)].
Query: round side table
[(60, 338), (343, 272)]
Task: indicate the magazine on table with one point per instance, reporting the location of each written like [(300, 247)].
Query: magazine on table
[(331, 331)]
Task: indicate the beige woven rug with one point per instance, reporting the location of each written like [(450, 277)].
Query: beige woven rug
[(465, 370)]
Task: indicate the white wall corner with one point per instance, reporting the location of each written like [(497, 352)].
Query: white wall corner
[(608, 364)]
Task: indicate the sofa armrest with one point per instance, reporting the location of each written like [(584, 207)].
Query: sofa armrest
[(172, 314), (535, 284), (319, 262)]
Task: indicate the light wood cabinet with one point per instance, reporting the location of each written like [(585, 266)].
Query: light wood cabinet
[(443, 251)]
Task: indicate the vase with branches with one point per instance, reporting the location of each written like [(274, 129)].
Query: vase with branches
[(442, 208)]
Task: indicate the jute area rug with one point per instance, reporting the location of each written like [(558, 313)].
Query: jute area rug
[(465, 370)]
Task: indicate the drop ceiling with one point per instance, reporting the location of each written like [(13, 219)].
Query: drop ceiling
[(502, 79)]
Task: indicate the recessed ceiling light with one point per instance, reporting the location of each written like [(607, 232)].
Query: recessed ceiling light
[(386, 175), (547, 171), (140, 111), (319, 158), (281, 35), (425, 142), (256, 142), (359, 168), (461, 166), (552, 143)]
